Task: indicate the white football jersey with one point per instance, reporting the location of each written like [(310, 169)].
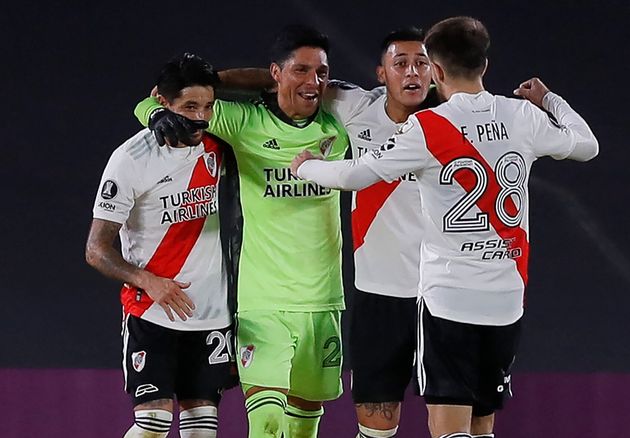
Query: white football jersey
[(386, 225), (472, 156), (167, 202)]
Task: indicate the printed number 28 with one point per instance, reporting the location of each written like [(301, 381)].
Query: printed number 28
[(511, 176)]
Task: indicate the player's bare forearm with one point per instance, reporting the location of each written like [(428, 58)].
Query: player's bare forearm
[(101, 254), (247, 79)]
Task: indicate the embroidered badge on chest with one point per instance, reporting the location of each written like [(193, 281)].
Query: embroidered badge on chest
[(325, 145), (211, 163)]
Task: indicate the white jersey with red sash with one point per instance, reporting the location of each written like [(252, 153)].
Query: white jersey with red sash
[(472, 156), (167, 202), (386, 217)]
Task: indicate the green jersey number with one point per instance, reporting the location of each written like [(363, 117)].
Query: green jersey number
[(332, 349)]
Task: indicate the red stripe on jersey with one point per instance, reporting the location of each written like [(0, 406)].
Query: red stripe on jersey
[(447, 143), (368, 202), (180, 238)]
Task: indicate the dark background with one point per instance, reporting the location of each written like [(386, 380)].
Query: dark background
[(72, 74)]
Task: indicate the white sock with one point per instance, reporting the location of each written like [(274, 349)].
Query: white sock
[(150, 423), (199, 422), (366, 432)]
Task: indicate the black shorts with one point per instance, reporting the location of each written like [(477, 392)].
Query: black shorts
[(160, 363), (382, 347), (465, 364)]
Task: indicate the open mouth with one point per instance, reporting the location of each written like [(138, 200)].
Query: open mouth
[(310, 96), (412, 87)]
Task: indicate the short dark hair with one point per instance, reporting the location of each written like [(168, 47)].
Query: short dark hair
[(184, 71), (294, 36), (461, 44), (410, 33)]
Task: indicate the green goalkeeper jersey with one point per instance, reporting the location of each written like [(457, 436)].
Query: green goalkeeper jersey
[(291, 252)]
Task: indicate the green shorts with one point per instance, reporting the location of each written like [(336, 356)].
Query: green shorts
[(299, 351)]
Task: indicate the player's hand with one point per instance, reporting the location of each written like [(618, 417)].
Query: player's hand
[(533, 90), (173, 128), (300, 158), (169, 295)]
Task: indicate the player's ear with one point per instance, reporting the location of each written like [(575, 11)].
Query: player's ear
[(380, 74), (162, 100), (485, 67), (437, 72), (275, 71)]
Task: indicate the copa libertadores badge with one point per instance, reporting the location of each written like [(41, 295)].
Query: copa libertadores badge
[(109, 189)]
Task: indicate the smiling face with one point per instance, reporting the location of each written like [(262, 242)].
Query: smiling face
[(194, 102), (301, 80), (406, 73)]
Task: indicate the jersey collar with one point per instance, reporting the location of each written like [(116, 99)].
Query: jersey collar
[(270, 101)]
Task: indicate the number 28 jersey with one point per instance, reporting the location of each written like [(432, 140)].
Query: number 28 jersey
[(472, 156)]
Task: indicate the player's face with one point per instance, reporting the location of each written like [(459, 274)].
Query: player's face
[(194, 103), (301, 80), (405, 72)]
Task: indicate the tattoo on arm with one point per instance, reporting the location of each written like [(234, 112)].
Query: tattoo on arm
[(101, 254)]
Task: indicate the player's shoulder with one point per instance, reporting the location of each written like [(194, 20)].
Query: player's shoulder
[(337, 84), (227, 108), (343, 90), (522, 109), (327, 120), (136, 148)]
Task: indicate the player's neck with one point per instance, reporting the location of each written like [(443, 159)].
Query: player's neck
[(398, 112), (468, 86), (290, 110)]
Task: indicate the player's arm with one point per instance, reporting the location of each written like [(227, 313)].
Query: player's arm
[(226, 121), (167, 126), (402, 153), (101, 254), (571, 137), (345, 100), (246, 79), (340, 174)]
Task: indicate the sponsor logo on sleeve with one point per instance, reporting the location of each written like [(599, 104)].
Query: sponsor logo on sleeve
[(138, 360), (109, 189), (107, 206), (247, 355)]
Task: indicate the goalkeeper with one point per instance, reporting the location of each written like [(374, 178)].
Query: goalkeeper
[(290, 292)]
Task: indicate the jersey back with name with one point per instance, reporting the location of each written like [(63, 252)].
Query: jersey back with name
[(473, 156), (386, 217), (167, 202)]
